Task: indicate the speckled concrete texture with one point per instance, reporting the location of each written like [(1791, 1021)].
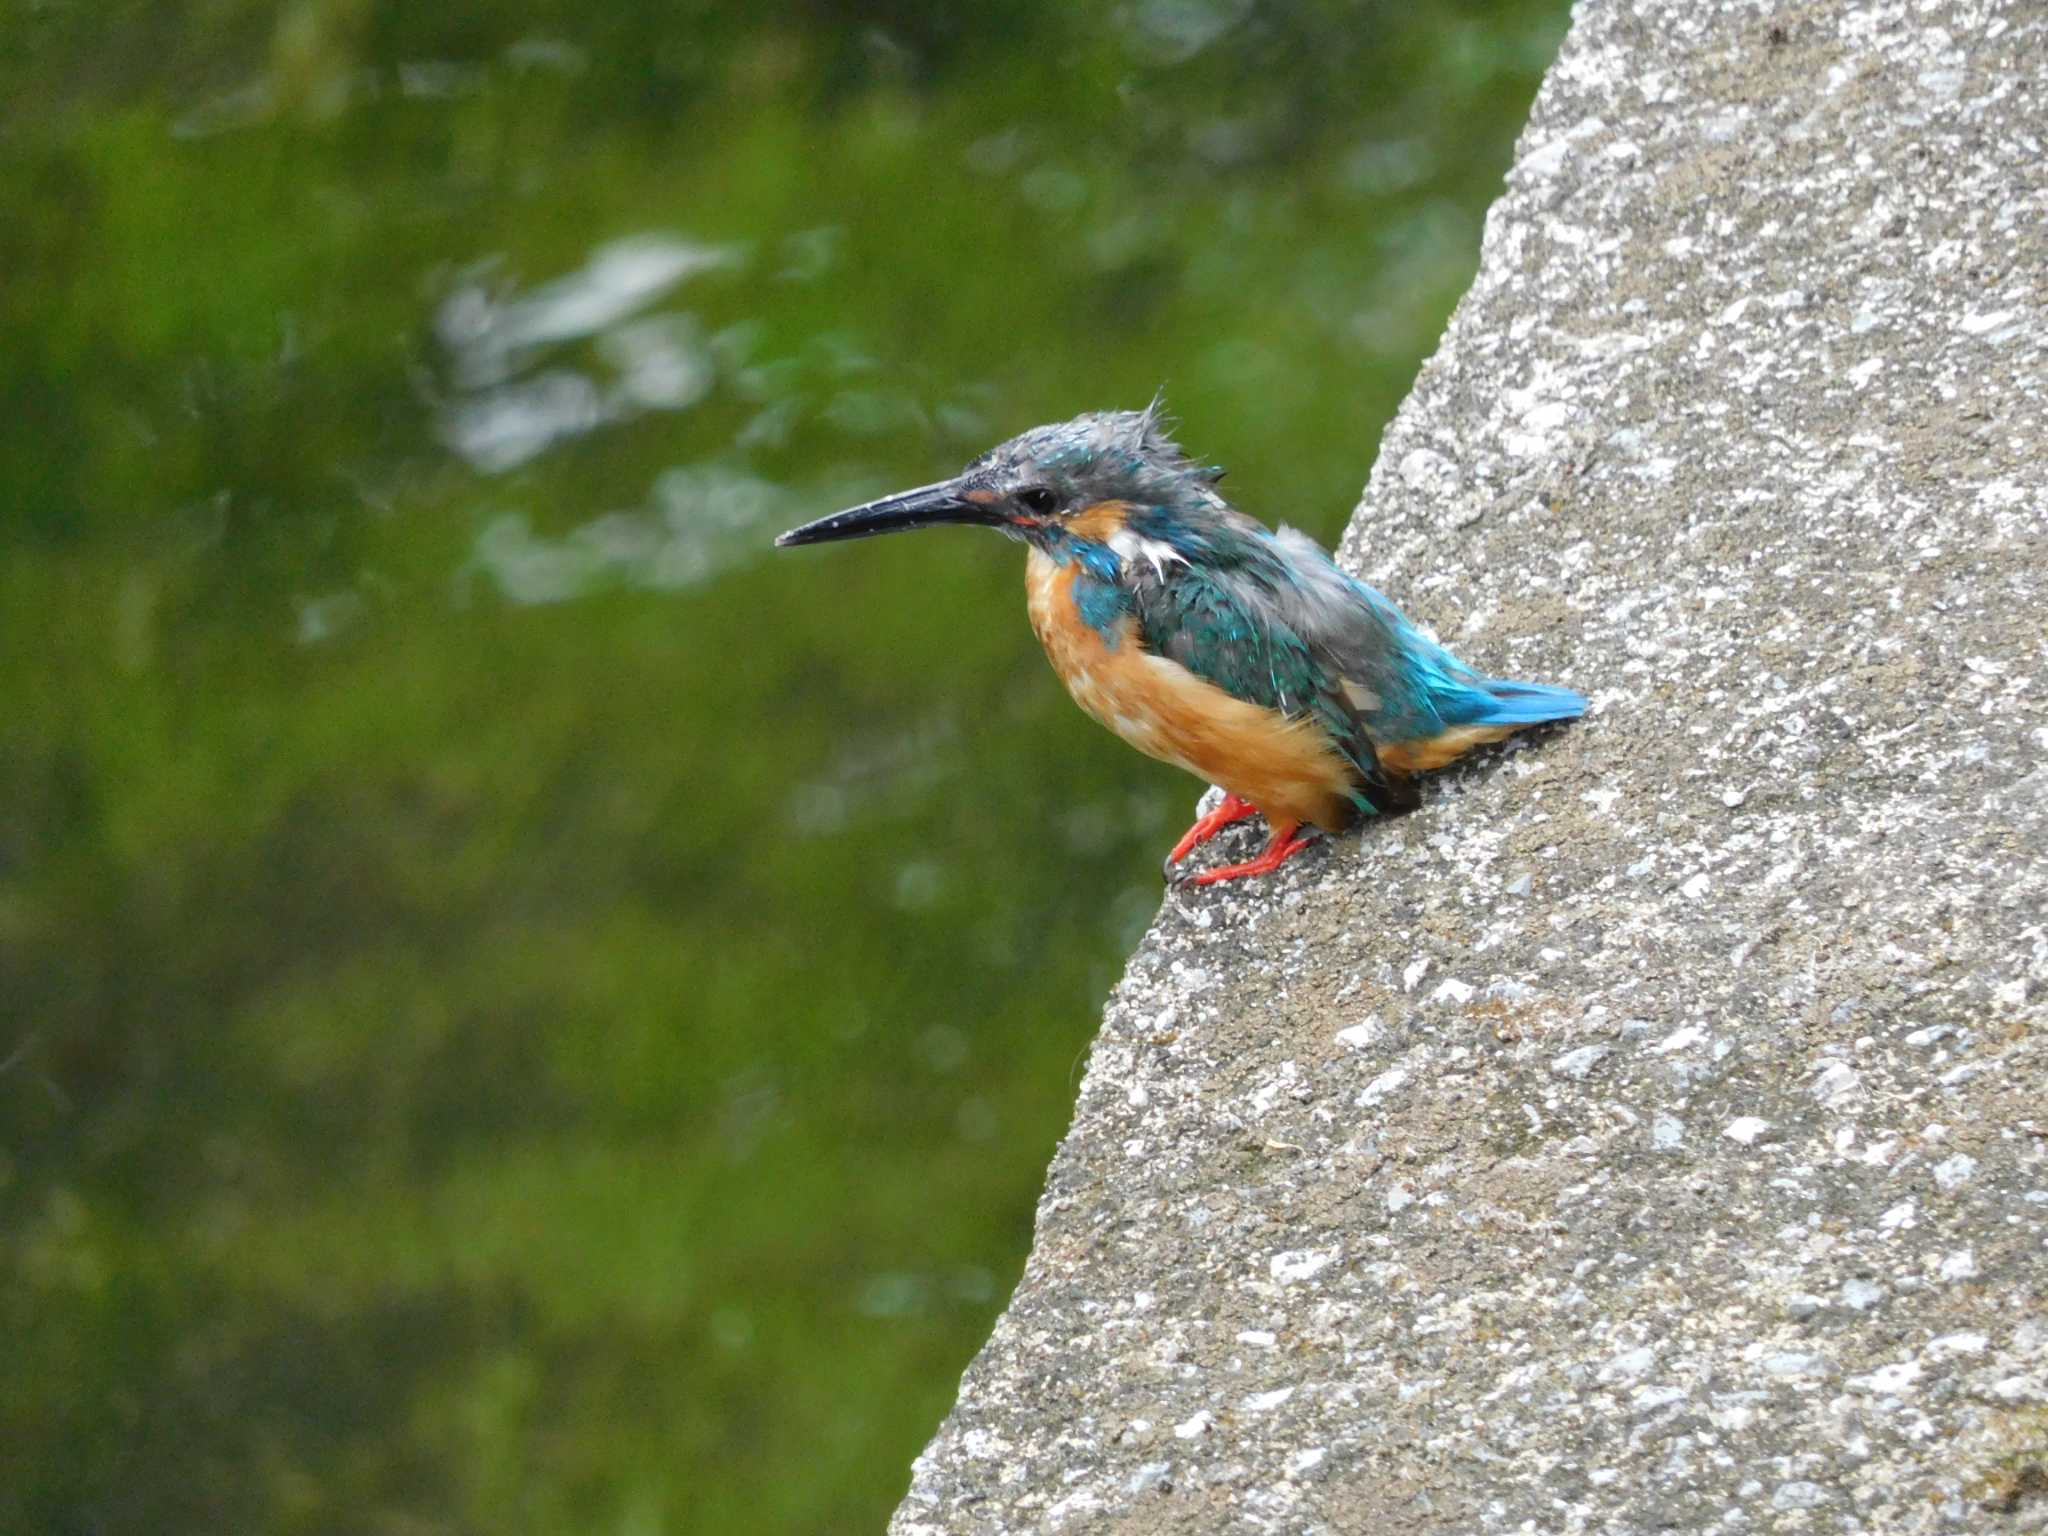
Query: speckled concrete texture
[(1651, 1132)]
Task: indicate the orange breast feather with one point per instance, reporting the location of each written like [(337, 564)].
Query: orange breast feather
[(1287, 768)]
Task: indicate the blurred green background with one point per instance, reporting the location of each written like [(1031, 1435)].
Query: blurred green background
[(520, 1008)]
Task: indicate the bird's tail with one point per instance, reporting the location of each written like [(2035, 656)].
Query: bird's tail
[(1507, 703)]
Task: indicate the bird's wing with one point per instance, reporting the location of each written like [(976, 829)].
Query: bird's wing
[(1418, 690), (1403, 684), (1232, 614), (1269, 617)]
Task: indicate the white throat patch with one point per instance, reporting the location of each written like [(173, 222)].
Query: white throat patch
[(1130, 546)]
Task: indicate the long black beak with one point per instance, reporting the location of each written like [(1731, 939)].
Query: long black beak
[(926, 507)]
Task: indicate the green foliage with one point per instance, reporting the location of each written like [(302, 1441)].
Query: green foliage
[(520, 1009)]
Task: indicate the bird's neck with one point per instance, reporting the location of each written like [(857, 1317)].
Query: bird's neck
[(1061, 545)]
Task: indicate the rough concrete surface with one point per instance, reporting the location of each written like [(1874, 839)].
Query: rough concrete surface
[(1648, 1133)]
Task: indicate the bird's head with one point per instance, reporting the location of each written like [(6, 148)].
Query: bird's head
[(1040, 484)]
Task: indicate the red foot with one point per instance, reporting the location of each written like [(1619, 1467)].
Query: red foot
[(1232, 809), (1284, 846)]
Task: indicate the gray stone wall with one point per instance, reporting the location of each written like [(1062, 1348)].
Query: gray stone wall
[(1651, 1132)]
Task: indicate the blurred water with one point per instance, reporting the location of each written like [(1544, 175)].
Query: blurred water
[(508, 409), (520, 1006)]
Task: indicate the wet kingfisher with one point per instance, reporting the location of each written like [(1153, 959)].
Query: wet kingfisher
[(1206, 640)]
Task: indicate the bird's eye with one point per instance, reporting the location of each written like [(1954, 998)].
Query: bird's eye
[(1037, 500)]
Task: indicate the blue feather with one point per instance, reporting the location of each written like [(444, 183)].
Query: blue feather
[(1506, 703), (1100, 604), (1098, 560)]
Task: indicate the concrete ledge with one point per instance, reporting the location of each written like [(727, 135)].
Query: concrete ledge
[(1651, 1132)]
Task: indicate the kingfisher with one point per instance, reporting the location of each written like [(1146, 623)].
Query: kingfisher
[(1206, 640)]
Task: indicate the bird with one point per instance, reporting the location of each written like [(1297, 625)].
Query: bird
[(1207, 640)]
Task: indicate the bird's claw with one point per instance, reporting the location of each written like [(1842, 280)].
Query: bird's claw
[(1229, 810), (1287, 840)]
